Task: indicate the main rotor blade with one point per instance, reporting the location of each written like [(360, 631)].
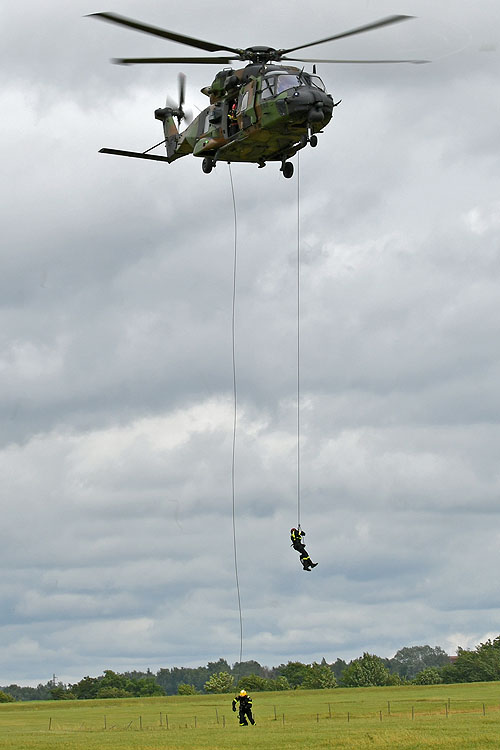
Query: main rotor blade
[(156, 31), (359, 30), (371, 62), (187, 60)]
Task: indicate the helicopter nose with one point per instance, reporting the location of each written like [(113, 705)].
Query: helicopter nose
[(316, 113), (310, 105)]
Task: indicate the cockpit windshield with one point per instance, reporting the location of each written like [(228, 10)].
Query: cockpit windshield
[(286, 81), (275, 83), (315, 80)]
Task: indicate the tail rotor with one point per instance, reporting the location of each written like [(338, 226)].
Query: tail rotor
[(178, 109)]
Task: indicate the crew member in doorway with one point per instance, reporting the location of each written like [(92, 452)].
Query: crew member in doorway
[(245, 708), (232, 120), (297, 535)]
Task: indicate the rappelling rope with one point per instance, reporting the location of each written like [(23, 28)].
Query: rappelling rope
[(235, 393), (235, 414), (298, 342)]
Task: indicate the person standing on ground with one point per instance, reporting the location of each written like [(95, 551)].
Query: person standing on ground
[(245, 708)]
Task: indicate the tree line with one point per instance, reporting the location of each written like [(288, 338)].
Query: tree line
[(422, 665)]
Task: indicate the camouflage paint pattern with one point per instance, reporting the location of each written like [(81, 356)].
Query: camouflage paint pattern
[(271, 125)]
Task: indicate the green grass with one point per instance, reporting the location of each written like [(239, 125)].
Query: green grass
[(447, 717)]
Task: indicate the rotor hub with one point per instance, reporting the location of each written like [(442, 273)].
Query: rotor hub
[(260, 54)]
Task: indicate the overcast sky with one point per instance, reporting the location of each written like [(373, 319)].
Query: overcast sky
[(115, 360)]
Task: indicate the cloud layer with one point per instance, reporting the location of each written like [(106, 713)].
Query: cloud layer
[(115, 358)]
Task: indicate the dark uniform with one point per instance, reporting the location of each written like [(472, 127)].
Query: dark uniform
[(296, 535), (232, 120), (245, 708)]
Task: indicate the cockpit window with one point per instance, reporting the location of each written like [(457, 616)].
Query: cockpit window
[(286, 81), (316, 81), (274, 83), (267, 87)]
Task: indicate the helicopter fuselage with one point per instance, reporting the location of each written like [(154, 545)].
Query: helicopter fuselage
[(256, 114)]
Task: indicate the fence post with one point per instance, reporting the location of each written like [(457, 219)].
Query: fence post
[(223, 721), (388, 708), (195, 722), (105, 723), (166, 720), (140, 722), (50, 723), (161, 720), (317, 718), (412, 713), (330, 710), (275, 717), (283, 719), (484, 710), (217, 715), (348, 717), (380, 715)]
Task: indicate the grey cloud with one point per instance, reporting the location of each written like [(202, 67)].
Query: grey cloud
[(115, 360)]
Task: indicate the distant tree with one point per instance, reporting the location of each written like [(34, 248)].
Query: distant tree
[(135, 674), (428, 676), (170, 679), (319, 676), (245, 668), (185, 689), (215, 667), (5, 697), (114, 685), (279, 683), (295, 672), (118, 681), (367, 671), (394, 679), (38, 693), (253, 682), (146, 686), (61, 693), (88, 687), (449, 673), (410, 660), (220, 682), (480, 665), (337, 668)]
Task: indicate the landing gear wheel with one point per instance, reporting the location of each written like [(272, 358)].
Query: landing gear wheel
[(207, 164), (287, 169), (313, 140)]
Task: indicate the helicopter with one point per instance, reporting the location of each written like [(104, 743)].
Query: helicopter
[(262, 112)]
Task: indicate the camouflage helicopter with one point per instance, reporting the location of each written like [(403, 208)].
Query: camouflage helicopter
[(262, 112)]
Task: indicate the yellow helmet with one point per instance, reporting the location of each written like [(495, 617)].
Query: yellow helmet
[(243, 692)]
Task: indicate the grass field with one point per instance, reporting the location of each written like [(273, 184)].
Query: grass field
[(448, 717)]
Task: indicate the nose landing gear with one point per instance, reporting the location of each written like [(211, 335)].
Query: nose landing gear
[(207, 164)]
